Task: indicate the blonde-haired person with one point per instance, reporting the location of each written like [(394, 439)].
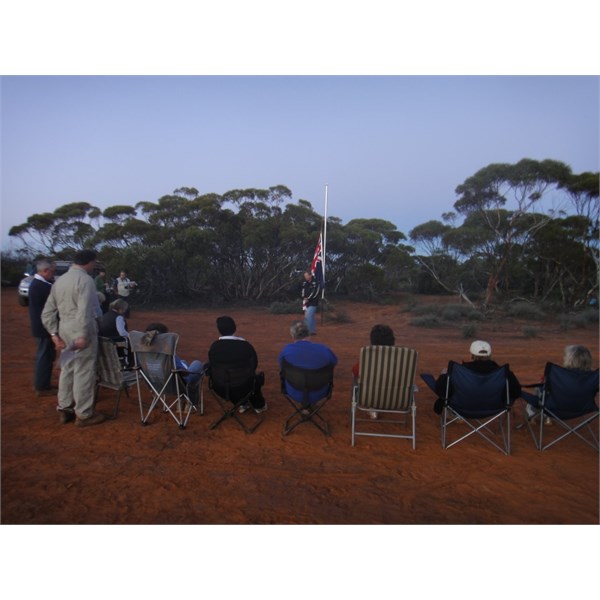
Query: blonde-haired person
[(575, 357)]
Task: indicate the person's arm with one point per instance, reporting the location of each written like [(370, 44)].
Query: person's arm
[(121, 326), (50, 320)]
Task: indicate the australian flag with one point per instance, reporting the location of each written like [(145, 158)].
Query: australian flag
[(316, 267)]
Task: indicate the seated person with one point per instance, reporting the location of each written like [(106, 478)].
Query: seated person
[(307, 355), (235, 351), (381, 335), (114, 326), (575, 357), (481, 362), (195, 368)]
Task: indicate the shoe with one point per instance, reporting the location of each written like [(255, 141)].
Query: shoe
[(373, 415), (243, 408), (65, 416), (261, 409), (93, 420)]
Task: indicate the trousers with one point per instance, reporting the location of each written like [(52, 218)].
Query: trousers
[(44, 360)]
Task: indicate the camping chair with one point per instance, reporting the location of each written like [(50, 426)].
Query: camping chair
[(307, 381), (111, 371), (566, 395), (385, 385), (232, 387), (155, 366), (476, 401)]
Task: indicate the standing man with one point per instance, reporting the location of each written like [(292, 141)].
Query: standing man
[(125, 286), (310, 301), (39, 290), (102, 288), (70, 316)]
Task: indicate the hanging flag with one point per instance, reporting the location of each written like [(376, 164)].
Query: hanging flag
[(316, 267)]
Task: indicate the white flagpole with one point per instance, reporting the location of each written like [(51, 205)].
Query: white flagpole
[(324, 242)]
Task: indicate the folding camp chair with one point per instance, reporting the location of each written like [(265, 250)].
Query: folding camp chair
[(386, 385), (475, 401), (232, 386), (307, 381), (155, 366), (567, 395), (112, 372)]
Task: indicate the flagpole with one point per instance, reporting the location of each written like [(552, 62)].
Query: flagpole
[(323, 259)]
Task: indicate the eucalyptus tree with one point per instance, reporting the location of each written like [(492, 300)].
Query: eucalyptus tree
[(487, 193), (69, 228)]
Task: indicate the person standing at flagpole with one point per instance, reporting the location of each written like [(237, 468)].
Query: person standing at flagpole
[(311, 289)]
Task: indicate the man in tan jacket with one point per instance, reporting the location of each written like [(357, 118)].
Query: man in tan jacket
[(70, 316)]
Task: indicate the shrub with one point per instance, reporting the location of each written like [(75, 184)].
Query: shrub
[(529, 332), (524, 310), (454, 312), (426, 309), (469, 331), (427, 321), (285, 308)]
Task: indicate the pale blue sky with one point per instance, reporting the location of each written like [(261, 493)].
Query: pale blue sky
[(392, 147)]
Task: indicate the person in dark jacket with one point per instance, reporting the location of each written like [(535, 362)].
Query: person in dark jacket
[(113, 323), (481, 362), (232, 350), (310, 301), (39, 290)]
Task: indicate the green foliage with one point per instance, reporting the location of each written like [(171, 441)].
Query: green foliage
[(429, 321)]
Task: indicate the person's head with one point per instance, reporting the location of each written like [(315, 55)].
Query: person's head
[(45, 268), (86, 259), (382, 335), (480, 350), (299, 330), (307, 275), (160, 327), (122, 274), (577, 357), (226, 325), (119, 306), (102, 272)]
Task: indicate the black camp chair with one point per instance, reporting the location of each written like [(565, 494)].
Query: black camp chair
[(475, 401), (568, 397), (306, 381), (232, 387)]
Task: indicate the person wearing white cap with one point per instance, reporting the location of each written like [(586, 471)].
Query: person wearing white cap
[(481, 362)]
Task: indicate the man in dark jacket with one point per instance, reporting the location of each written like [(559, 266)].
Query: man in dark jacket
[(235, 351), (39, 290), (481, 362)]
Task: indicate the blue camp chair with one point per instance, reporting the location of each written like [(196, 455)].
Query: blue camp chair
[(568, 397), (474, 401)]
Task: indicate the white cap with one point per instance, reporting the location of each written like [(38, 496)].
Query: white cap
[(480, 348)]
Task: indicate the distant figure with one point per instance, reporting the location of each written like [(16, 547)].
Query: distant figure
[(103, 290), (307, 355), (39, 290), (381, 335), (481, 362), (232, 350), (310, 301), (70, 317), (124, 286), (195, 368)]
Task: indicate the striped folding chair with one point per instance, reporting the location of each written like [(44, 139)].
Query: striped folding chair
[(386, 388)]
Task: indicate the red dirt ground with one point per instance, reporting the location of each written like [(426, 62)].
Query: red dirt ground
[(123, 473)]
